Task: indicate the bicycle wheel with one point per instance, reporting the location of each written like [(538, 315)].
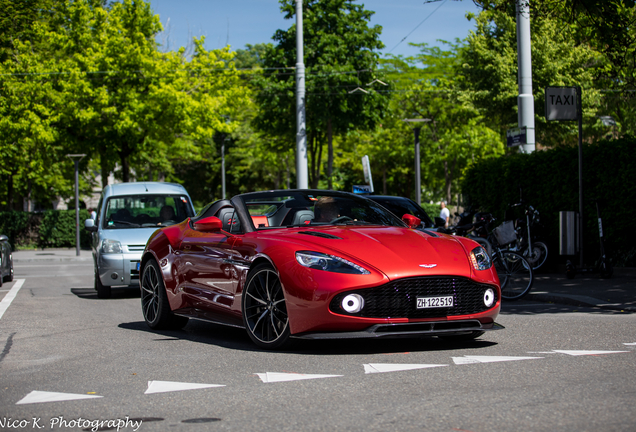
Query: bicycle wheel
[(538, 256), (515, 274)]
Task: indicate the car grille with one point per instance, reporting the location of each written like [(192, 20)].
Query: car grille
[(397, 299)]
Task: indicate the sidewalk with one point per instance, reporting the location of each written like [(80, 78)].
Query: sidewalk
[(617, 293), (53, 254)]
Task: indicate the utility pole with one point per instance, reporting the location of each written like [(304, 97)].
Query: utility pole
[(302, 177), (525, 100)]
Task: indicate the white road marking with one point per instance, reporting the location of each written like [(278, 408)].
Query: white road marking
[(392, 367), (580, 352), (6, 301), (170, 386), (630, 344), (41, 396), (269, 377), (488, 359)]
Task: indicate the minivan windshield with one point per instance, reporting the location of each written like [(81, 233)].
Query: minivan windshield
[(136, 211)]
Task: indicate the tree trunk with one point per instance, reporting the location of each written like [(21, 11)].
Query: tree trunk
[(384, 190), (329, 155), (10, 192)]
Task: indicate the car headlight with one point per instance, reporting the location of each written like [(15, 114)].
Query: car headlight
[(480, 259), (111, 246), (332, 263)]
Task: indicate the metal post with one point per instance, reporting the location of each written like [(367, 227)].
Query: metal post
[(302, 177), (77, 229), (525, 100), (418, 178), (223, 169), (579, 113), (76, 159)]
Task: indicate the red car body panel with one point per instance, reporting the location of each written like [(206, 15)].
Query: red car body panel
[(204, 273)]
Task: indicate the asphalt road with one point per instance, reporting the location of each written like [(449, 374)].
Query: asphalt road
[(553, 368)]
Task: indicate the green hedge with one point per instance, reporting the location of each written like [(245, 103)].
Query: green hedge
[(51, 228), (550, 182), (432, 210)]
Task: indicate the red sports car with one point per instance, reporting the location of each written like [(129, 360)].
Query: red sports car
[(316, 264)]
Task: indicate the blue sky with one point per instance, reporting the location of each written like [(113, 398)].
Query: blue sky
[(241, 22)]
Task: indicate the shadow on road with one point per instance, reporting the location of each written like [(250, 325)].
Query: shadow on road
[(116, 293), (237, 339)]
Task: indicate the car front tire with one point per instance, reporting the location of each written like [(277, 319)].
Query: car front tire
[(264, 308)]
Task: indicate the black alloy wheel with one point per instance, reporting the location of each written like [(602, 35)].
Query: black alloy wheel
[(154, 300), (264, 308)]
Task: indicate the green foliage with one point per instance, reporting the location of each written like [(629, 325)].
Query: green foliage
[(52, 228), (454, 134), (15, 225), (549, 182), (490, 72), (57, 229)]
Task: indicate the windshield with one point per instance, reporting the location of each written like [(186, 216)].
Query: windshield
[(402, 206), (314, 208), (135, 211)]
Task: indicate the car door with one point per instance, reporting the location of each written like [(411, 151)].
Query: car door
[(206, 279)]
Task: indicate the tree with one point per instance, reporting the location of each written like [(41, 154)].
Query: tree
[(608, 26), (339, 56), (490, 72), (455, 133)]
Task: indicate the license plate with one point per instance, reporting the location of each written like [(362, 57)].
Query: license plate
[(434, 302)]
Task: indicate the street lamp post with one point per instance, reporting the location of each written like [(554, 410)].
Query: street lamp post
[(76, 158), (418, 178)]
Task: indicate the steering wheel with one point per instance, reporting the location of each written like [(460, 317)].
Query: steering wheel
[(340, 219)]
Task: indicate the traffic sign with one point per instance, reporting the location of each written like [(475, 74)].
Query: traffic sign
[(516, 136), (561, 103), (362, 189)]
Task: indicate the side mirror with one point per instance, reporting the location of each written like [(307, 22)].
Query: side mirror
[(89, 224), (208, 224), (411, 221)]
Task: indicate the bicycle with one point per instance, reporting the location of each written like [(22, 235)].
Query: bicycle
[(515, 272), (536, 252)]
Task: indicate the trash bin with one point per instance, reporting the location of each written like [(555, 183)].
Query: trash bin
[(568, 232)]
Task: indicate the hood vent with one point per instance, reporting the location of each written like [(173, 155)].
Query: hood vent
[(320, 234)]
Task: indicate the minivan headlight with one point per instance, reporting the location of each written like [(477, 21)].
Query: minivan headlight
[(111, 246)]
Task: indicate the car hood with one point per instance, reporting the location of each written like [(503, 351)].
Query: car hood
[(129, 236), (397, 252)]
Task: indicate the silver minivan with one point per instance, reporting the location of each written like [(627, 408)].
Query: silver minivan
[(127, 214)]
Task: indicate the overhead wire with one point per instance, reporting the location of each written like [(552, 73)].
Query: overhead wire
[(417, 26)]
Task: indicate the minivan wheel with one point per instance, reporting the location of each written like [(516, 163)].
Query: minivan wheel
[(103, 291)]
